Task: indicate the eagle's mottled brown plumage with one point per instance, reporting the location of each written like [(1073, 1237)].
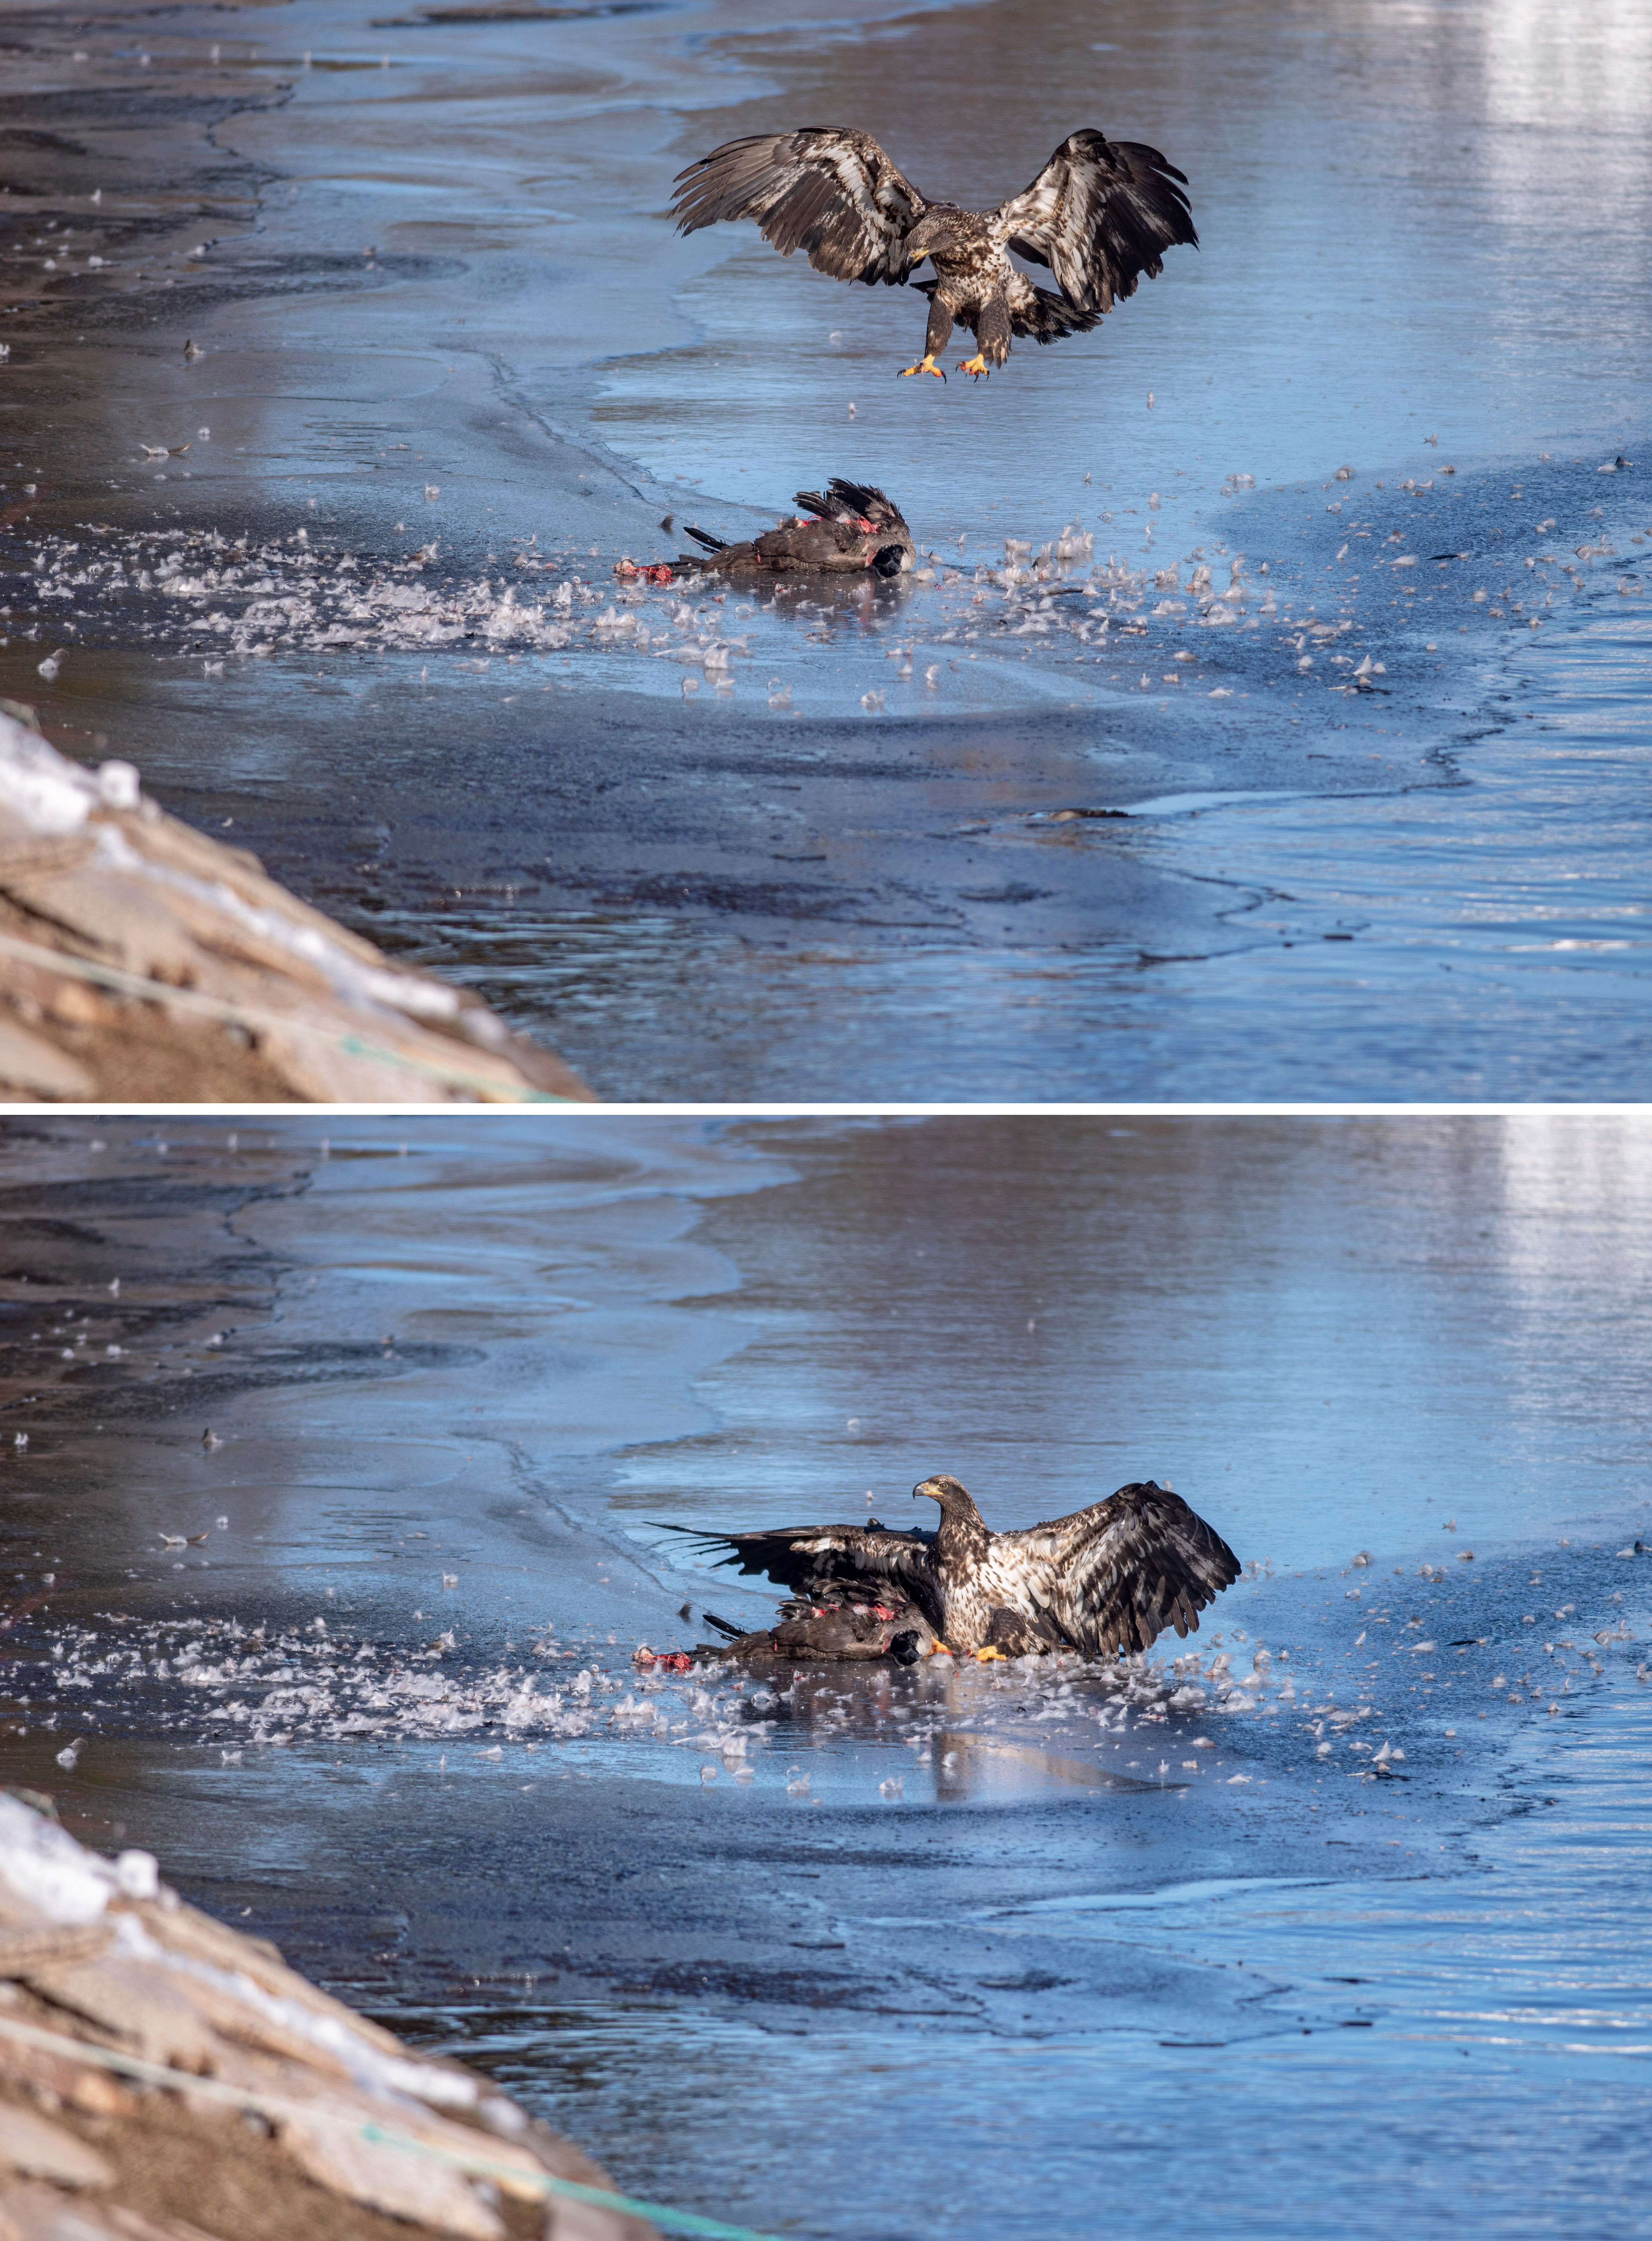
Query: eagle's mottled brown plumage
[(1099, 215), (1106, 1579)]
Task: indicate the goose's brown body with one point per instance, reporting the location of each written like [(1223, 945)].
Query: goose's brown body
[(838, 1631), (851, 530)]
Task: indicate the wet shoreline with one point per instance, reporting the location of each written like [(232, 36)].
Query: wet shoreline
[(141, 959), (279, 2110)]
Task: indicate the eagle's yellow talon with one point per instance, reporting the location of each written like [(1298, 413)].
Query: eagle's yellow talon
[(927, 364), (976, 366), (990, 1656)]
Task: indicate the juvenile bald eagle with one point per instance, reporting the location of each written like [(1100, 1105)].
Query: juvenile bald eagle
[(1099, 214), (1107, 1578)]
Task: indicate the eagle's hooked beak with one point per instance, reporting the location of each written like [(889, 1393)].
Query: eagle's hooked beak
[(924, 1491), (918, 242)]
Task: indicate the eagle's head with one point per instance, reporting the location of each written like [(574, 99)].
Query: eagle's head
[(935, 230), (963, 1538), (954, 1500)]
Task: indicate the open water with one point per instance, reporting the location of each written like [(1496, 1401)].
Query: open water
[(1268, 722), (1336, 1914)]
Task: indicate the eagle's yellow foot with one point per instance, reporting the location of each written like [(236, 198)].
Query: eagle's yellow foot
[(990, 1656), (927, 364), (976, 366)]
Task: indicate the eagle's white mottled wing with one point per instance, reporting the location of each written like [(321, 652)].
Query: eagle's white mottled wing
[(828, 192), (1114, 1575), (1099, 214)]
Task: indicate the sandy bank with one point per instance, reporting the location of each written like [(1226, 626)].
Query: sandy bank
[(141, 961), (301, 2118)]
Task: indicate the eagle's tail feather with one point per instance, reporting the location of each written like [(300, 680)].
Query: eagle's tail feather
[(704, 536), (724, 1627), (1051, 316)]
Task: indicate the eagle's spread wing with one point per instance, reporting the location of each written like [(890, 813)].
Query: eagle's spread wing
[(1099, 214), (1114, 1575), (831, 193), (806, 1557)]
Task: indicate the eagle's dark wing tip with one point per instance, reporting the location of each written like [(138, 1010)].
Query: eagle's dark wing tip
[(702, 1537), (1099, 215)]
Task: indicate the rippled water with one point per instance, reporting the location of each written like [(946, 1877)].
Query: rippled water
[(1340, 1901), (841, 847)]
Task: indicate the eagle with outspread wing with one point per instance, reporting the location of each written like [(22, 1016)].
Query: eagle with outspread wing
[(1099, 215), (1106, 1579)]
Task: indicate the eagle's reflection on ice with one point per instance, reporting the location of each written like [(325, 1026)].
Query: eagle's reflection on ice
[(969, 1767), (825, 601), (955, 1734)]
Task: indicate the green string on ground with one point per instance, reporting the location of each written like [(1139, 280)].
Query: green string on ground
[(480, 2165), (674, 2221), (117, 978)]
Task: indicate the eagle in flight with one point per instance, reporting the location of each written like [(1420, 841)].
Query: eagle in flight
[(1106, 1579), (1099, 215)]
